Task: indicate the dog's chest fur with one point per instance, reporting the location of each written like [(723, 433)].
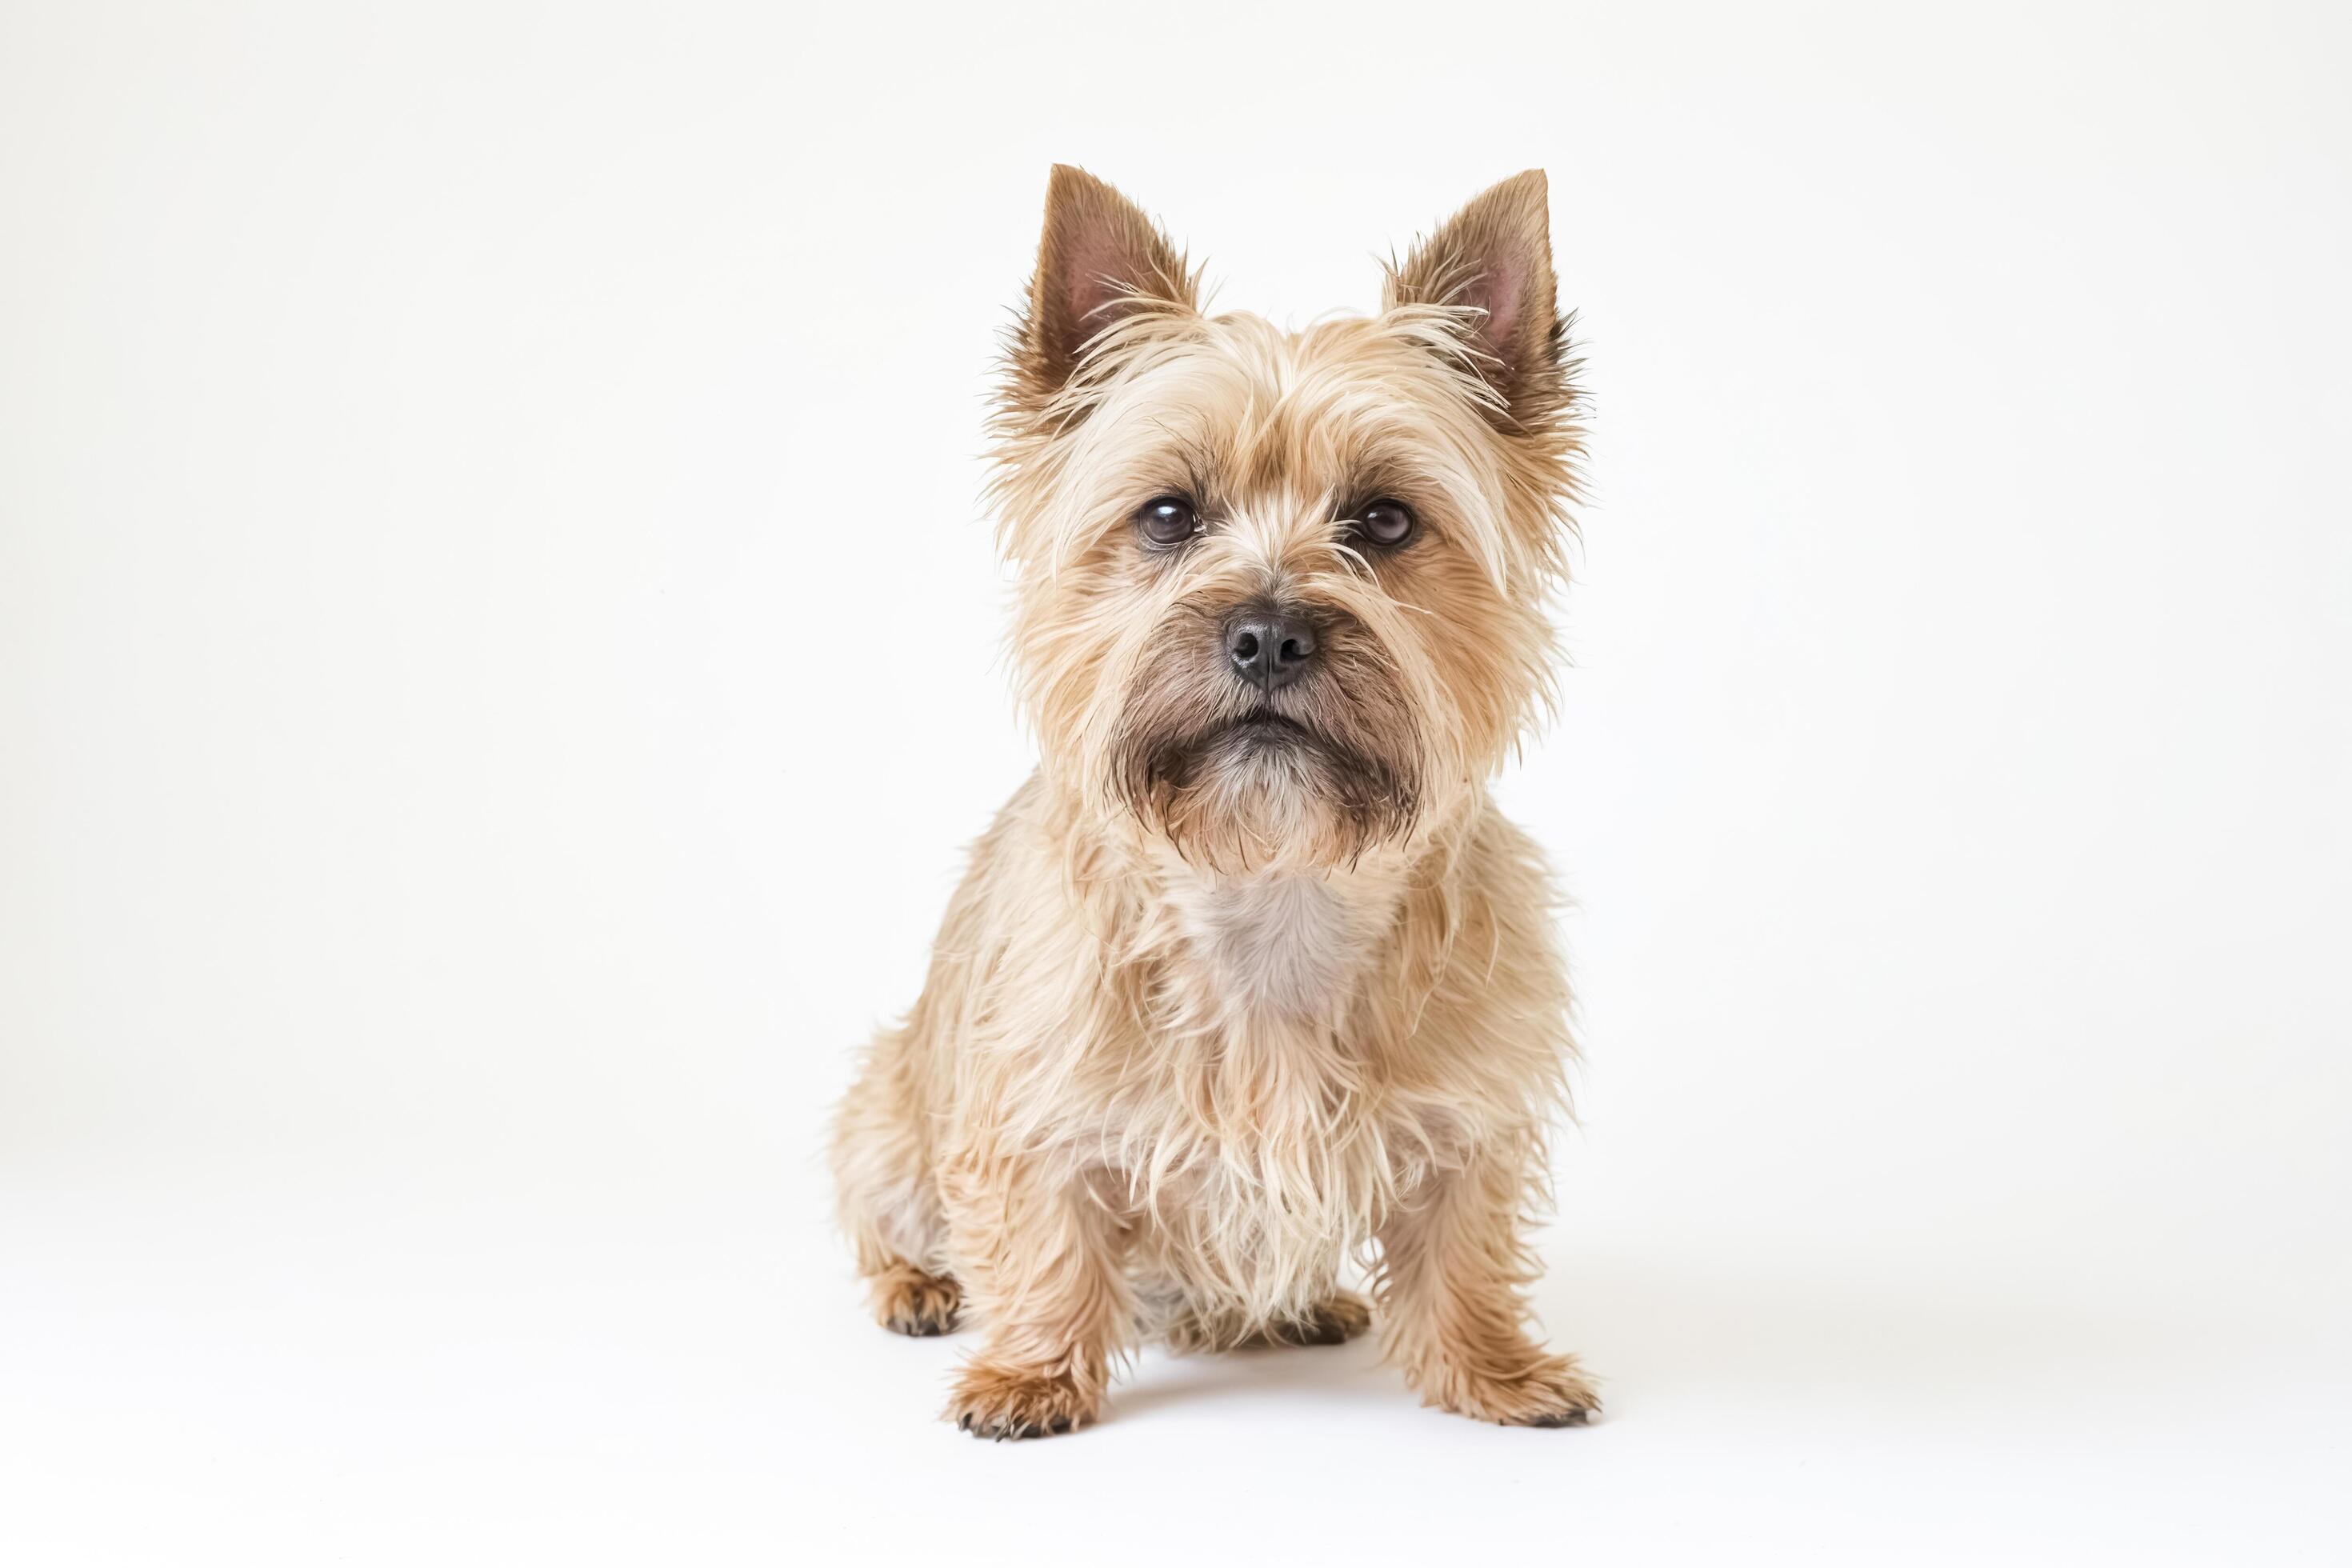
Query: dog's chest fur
[(1284, 947), (1270, 1158)]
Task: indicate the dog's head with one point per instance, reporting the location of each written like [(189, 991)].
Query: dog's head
[(1282, 594)]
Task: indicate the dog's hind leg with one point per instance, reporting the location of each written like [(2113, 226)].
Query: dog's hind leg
[(888, 1202)]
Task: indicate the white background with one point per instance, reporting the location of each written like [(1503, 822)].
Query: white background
[(499, 656)]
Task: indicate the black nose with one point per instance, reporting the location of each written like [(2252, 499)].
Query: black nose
[(1268, 648)]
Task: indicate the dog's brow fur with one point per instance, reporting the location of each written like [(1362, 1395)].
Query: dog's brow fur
[(1247, 983)]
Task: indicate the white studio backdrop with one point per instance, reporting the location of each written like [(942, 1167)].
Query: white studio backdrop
[(500, 654)]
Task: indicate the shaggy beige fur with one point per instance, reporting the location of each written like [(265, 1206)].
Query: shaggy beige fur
[(1248, 980)]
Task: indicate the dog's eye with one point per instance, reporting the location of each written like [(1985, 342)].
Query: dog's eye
[(1168, 520), (1387, 522)]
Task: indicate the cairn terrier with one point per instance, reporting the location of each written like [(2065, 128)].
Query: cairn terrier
[(1250, 980)]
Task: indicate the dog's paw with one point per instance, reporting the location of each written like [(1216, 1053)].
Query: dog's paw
[(909, 1302), (1007, 1402), (1553, 1392), (1333, 1320)]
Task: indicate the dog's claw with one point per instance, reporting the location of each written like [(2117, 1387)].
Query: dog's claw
[(1014, 1429), (1560, 1418)]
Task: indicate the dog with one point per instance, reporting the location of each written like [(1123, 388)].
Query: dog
[(1249, 981)]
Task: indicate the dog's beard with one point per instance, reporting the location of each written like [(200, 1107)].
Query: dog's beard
[(1240, 782)]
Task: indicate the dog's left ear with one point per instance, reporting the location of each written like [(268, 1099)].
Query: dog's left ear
[(1495, 255)]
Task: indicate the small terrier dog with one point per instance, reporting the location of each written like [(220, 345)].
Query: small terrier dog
[(1250, 978)]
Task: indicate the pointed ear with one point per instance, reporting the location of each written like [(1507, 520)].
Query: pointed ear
[(1494, 255), (1101, 261)]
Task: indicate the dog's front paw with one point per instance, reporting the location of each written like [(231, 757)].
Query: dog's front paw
[(1001, 1402), (1553, 1392)]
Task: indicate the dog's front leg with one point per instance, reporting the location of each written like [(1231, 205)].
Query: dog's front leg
[(1041, 1263), (1451, 1311)]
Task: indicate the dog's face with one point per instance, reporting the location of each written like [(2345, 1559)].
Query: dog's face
[(1282, 594)]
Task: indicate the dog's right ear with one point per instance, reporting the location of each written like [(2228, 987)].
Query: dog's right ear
[(1101, 262)]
